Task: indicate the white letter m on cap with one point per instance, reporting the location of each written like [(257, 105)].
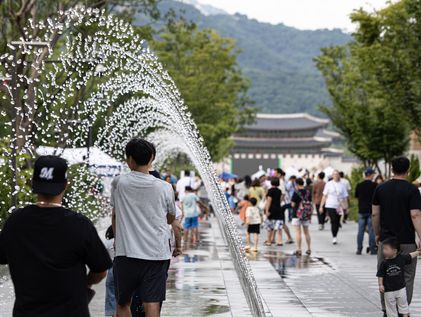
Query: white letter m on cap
[(47, 173)]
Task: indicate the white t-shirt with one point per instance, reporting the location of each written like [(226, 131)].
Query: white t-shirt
[(141, 203), (253, 215), (282, 187), (335, 192), (181, 186), (346, 184)]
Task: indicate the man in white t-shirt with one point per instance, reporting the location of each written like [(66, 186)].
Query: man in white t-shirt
[(183, 182), (143, 206)]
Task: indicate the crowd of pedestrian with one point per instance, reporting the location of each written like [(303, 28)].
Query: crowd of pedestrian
[(389, 211), (150, 213), (285, 203)]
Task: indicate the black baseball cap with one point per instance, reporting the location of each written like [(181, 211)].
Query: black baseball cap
[(50, 175)]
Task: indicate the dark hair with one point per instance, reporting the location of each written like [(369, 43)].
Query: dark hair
[(321, 175), (187, 173), (274, 182), (246, 197), (293, 177), (392, 242), (247, 181), (141, 151), (155, 174), (109, 234), (253, 201), (400, 165), (189, 189), (341, 174), (309, 181), (300, 181), (280, 171), (255, 183)]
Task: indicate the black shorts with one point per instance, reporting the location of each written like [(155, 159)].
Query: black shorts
[(148, 278), (253, 228)]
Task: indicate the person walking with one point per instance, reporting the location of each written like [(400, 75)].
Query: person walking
[(242, 188), (301, 217), (391, 277), (143, 206), (182, 183), (285, 202), (242, 206), (364, 193), (333, 202), (274, 213), (190, 209), (396, 213), (345, 182), (253, 220), (256, 191), (290, 187), (318, 188), (48, 248)]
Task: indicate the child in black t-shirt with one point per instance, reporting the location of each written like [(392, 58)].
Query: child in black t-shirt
[(391, 277)]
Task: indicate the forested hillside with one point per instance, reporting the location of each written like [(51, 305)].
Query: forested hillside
[(278, 59)]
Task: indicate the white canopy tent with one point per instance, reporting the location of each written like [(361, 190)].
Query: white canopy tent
[(99, 162)]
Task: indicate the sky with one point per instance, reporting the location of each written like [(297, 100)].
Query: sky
[(302, 14)]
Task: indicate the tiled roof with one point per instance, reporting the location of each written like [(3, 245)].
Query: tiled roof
[(311, 142), (287, 122)]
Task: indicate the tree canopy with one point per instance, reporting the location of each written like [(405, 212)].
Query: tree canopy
[(375, 82), (204, 67)]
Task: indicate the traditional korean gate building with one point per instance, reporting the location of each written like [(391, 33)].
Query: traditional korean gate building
[(282, 140)]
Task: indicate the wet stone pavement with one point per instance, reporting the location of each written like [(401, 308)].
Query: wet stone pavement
[(203, 282), (332, 282)]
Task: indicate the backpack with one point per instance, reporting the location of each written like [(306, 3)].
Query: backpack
[(305, 209)]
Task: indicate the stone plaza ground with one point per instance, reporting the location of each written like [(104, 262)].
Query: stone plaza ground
[(332, 282)]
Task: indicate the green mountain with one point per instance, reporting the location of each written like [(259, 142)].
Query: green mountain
[(278, 59)]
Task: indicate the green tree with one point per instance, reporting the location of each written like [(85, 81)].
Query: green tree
[(375, 82), (23, 180), (390, 39), (204, 67), (414, 170), (374, 128)]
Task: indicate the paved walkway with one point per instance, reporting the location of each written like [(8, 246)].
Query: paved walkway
[(332, 282)]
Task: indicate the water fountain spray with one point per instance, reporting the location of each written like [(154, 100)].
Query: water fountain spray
[(128, 87)]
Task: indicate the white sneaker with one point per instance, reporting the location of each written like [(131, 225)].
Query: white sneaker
[(335, 241)]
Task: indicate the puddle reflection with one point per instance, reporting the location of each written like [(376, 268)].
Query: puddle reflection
[(286, 264)]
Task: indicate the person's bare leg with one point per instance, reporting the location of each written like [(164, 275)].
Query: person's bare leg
[(194, 235), (247, 240), (280, 241), (197, 234), (186, 237), (298, 237), (256, 241), (287, 232), (123, 311), (270, 237), (308, 238), (152, 309)]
